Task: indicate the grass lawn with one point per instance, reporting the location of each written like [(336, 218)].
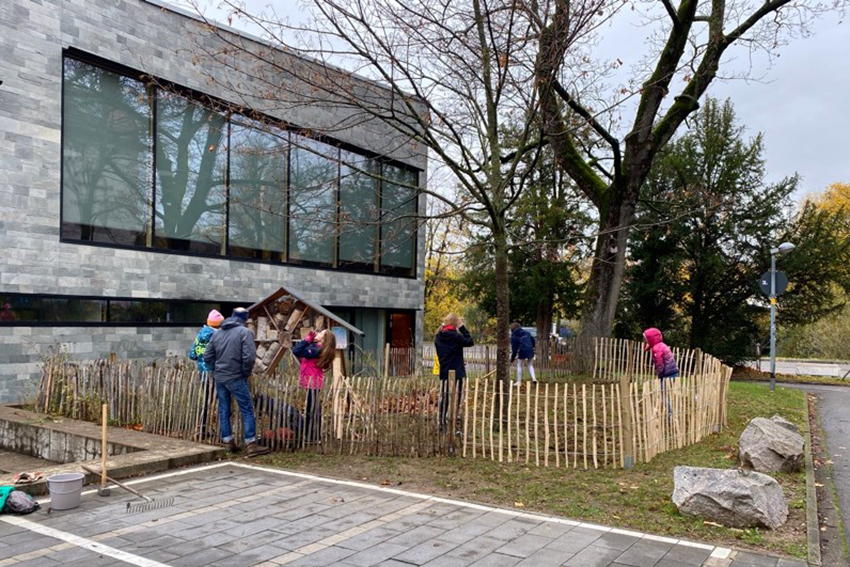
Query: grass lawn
[(638, 499)]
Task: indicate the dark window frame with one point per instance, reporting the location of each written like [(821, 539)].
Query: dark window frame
[(213, 102)]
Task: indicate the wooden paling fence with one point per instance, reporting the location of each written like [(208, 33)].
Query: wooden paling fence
[(628, 416)]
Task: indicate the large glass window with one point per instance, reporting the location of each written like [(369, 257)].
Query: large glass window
[(258, 160), (106, 157), (312, 201), (398, 226), (147, 165), (358, 218), (190, 175)]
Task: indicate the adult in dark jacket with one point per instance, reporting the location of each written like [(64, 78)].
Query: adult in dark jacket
[(231, 356), (522, 350), (450, 341)]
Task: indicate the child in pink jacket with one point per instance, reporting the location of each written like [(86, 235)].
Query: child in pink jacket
[(316, 352), (662, 357)]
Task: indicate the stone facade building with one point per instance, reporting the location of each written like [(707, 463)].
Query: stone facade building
[(134, 199)]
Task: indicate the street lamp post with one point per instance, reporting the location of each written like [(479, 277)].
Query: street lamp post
[(783, 248)]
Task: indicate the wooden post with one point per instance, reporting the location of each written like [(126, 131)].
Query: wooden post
[(103, 449), (627, 443), (337, 398), (451, 411)]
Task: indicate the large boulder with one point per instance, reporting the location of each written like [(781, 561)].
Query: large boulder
[(733, 498), (771, 445)]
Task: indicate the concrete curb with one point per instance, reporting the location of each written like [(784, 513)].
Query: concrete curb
[(812, 524)]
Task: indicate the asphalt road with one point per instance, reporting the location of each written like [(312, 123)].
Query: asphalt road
[(834, 409), (804, 368)]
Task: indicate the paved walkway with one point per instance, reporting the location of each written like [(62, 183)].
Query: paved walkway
[(834, 410), (236, 515)]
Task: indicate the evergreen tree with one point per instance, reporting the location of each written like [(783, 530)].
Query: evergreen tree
[(705, 225)]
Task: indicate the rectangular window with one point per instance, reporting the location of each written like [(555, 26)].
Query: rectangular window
[(258, 162), (312, 201), (190, 175), (358, 219), (106, 156), (398, 225), (20, 309)]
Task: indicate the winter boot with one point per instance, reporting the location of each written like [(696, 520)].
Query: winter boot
[(254, 450)]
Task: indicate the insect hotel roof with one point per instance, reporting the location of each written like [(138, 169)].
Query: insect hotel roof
[(280, 319)]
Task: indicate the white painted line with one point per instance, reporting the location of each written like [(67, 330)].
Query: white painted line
[(596, 527), (662, 539), (721, 552), (626, 532), (82, 542), (696, 545)]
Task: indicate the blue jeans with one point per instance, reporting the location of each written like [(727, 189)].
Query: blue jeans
[(664, 391), (237, 389)]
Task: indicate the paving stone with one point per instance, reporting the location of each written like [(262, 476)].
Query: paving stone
[(616, 541), (325, 558), (791, 563), (370, 538), (201, 558), (497, 560), (448, 561), (524, 545), (575, 540), (644, 553), (25, 543), (747, 558), (551, 529), (510, 530), (687, 555), (40, 562), (425, 552), (375, 554), (417, 535), (546, 558), (671, 563), (594, 556), (477, 548)]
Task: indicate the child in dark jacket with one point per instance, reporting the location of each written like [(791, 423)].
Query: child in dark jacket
[(522, 350), (663, 359), (450, 341), (316, 352), (196, 352)]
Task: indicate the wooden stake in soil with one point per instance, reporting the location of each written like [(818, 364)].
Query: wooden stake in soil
[(555, 429), (546, 425), (584, 422)]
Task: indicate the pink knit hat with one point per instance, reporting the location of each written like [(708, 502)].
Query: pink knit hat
[(214, 319)]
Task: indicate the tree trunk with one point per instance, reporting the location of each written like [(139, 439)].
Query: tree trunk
[(606, 276), (502, 314), (544, 328)]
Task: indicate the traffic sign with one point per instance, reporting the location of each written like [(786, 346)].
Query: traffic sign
[(781, 283)]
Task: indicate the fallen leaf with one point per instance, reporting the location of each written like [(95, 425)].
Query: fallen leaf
[(819, 485), (519, 504), (386, 482)]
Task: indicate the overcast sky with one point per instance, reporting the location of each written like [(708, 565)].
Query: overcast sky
[(802, 104)]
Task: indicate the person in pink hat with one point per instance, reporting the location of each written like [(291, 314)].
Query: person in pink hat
[(196, 352)]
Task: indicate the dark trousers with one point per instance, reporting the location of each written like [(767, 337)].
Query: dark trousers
[(445, 394), (313, 415)]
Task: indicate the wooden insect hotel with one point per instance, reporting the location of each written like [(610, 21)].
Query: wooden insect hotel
[(284, 318)]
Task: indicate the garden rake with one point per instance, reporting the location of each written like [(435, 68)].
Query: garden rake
[(146, 506)]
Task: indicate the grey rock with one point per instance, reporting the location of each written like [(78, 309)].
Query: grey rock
[(779, 420), (769, 445), (733, 498)]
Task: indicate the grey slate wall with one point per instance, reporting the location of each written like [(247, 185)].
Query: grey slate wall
[(144, 36)]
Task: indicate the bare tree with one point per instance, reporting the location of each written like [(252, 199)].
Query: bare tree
[(689, 41), (445, 74)]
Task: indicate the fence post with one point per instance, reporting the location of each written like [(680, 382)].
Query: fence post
[(626, 403), (337, 394), (452, 412)]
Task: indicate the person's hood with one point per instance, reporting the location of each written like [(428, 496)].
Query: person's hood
[(206, 332), (231, 322), (653, 337)]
